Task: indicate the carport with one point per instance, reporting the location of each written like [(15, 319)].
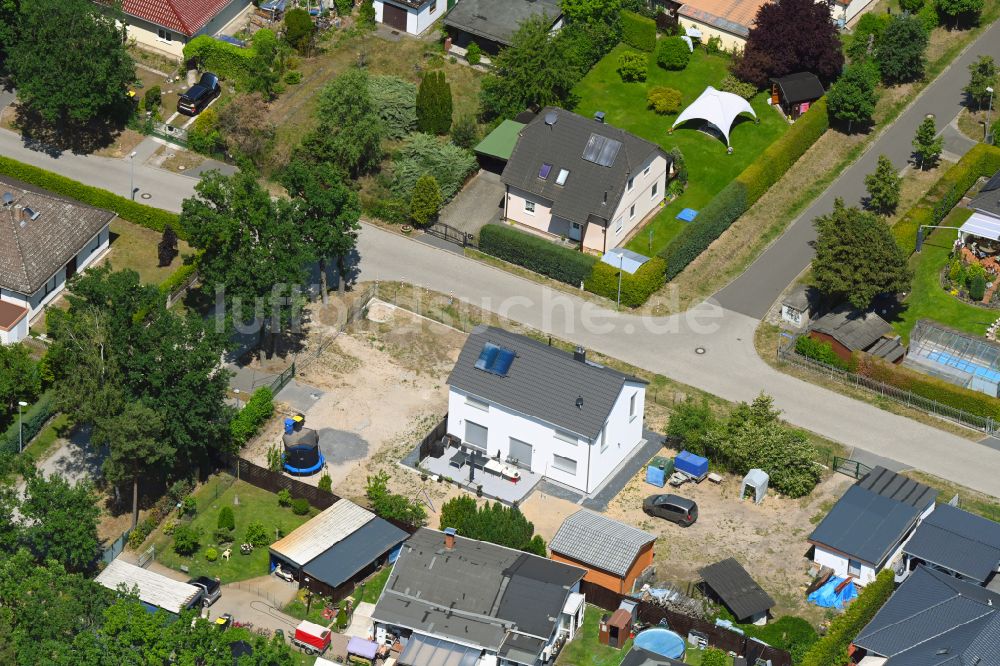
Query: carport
[(494, 150)]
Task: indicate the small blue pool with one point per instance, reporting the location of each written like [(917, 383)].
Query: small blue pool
[(661, 641)]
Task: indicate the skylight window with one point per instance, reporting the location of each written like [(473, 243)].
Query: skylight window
[(563, 175), (495, 360), (543, 173)]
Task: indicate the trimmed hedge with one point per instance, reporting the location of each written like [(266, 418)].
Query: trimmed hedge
[(981, 161), (227, 60), (741, 193), (32, 420), (638, 31), (177, 278), (832, 648), (819, 350), (536, 254), (928, 387), (137, 213), (249, 420), (636, 288)]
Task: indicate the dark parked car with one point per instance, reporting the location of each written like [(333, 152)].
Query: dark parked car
[(210, 588), (198, 97), (674, 508)]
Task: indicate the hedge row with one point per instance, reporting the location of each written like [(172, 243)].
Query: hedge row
[(638, 31), (635, 288), (137, 213), (832, 648), (254, 414), (981, 161), (741, 193), (32, 422), (227, 60), (177, 278), (536, 253), (928, 387)]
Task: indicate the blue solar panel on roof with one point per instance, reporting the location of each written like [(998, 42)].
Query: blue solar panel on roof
[(495, 360)]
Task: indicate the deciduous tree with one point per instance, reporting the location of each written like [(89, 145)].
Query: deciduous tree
[(350, 131), (901, 50), (299, 30), (601, 12), (852, 98), (791, 36), (61, 521), (19, 379), (10, 11), (494, 522), (883, 187), (982, 75), (958, 9), (857, 257), (927, 146)]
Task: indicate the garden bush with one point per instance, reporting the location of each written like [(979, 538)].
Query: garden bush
[(254, 414), (293, 78), (257, 534), (929, 16), (977, 287), (227, 60), (632, 67), (791, 633), (689, 421), (211, 554), (667, 24), (189, 506), (714, 45), (733, 85), (425, 154), (186, 540), (284, 497), (325, 483), (473, 54), (819, 350), (832, 648), (635, 288), (395, 102), (535, 253), (663, 99), (393, 209), (204, 135), (300, 506), (638, 31), (151, 100), (137, 213), (673, 53), (227, 521), (139, 533), (715, 657), (222, 536)]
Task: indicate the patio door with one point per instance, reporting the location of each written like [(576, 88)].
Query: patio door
[(575, 231), (520, 452), (476, 435)]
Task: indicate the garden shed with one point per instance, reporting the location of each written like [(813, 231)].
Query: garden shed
[(730, 583), (717, 108), (756, 480), (155, 590), (796, 92)]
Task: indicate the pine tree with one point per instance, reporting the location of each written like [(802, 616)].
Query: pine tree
[(445, 105), (425, 103), (426, 199), (883, 186), (926, 146), (167, 248)]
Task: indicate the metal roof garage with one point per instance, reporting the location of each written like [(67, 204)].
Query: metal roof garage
[(155, 590), (340, 545)]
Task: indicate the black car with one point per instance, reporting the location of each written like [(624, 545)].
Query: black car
[(210, 588), (198, 97), (674, 508)]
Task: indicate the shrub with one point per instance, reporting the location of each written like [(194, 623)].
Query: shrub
[(912, 6), (211, 554), (254, 414), (222, 536), (465, 132), (189, 506), (742, 88), (257, 534), (166, 249), (227, 60), (689, 421), (832, 648), (366, 14), (535, 253), (929, 17), (151, 100), (204, 135), (680, 166), (819, 350), (790, 633), (139, 533), (325, 483), (664, 100), (390, 505), (393, 210), (473, 54), (300, 506), (977, 287), (299, 29), (186, 540), (426, 200), (293, 78), (635, 288), (424, 154), (284, 497), (638, 31), (714, 657), (673, 53), (632, 67), (714, 45), (395, 102), (956, 272), (227, 521)]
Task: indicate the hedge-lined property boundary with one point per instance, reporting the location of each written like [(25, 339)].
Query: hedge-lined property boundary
[(980, 162), (137, 213), (635, 288), (227, 60), (832, 648), (739, 195), (638, 31), (536, 254)]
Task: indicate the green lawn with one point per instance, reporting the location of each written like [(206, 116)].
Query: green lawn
[(927, 299), (134, 247), (254, 504), (709, 167), (585, 650), (371, 589)]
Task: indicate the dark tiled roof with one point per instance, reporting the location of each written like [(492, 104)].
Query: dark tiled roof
[(498, 21), (855, 330), (799, 87), (184, 16), (31, 251), (988, 199), (898, 487), (865, 526), (737, 589), (477, 593), (562, 144), (958, 541), (594, 539), (543, 381), (347, 557), (934, 619)]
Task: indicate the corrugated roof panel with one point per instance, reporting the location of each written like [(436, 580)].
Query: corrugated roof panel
[(599, 541), (328, 528), (154, 589)]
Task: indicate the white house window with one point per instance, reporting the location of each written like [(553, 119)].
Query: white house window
[(631, 406), (631, 183), (164, 35), (645, 172), (478, 404), (604, 439), (853, 567), (529, 207), (631, 212), (564, 464), (618, 226), (563, 175), (652, 194), (475, 435), (567, 437), (434, 7)]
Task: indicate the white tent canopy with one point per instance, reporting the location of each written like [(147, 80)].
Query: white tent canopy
[(718, 108), (984, 226)]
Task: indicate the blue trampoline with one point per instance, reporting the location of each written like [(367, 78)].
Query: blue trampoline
[(688, 215), (302, 454), (662, 642)]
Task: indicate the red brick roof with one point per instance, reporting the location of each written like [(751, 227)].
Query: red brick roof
[(184, 16), (10, 314)]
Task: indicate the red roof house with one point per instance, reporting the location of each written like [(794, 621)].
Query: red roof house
[(166, 25)]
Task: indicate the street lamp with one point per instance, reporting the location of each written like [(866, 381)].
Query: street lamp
[(621, 267), (989, 110), (20, 429), (131, 175)]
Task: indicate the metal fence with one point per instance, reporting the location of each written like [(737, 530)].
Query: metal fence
[(787, 354), (115, 549), (850, 467), (176, 135), (281, 381), (452, 235)]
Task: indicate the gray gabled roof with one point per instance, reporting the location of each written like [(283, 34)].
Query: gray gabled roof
[(639, 657), (598, 541), (958, 541), (865, 526), (934, 619), (737, 589), (592, 192), (855, 330), (498, 21), (898, 487), (988, 198), (799, 87), (339, 563), (543, 382), (31, 251)]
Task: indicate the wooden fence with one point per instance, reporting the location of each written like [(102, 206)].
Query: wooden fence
[(439, 431), (273, 482), (719, 637)]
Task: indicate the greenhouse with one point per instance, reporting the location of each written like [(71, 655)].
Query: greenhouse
[(958, 358)]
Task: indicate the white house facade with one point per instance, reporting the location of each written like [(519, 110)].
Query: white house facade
[(166, 26), (410, 16)]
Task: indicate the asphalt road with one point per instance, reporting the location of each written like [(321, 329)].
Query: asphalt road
[(753, 292)]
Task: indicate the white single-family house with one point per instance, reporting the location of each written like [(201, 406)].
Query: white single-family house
[(410, 16)]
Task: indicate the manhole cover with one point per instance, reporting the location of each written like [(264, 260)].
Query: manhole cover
[(699, 350), (181, 167), (146, 195)]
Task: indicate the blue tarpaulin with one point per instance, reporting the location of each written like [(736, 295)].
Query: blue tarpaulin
[(688, 214), (826, 596), (232, 40)]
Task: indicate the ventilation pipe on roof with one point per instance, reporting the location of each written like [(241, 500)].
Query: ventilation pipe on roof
[(579, 402), (580, 354), (605, 202)]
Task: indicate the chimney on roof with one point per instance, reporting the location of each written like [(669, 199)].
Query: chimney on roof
[(599, 117), (449, 538), (580, 354)]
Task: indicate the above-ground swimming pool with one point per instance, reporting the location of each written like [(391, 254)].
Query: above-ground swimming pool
[(661, 641)]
